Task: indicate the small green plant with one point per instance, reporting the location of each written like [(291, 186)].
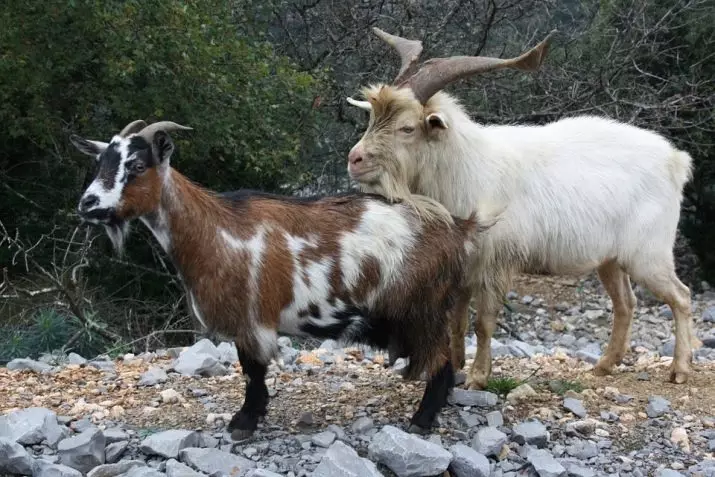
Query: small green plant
[(49, 330), (560, 386), (502, 386)]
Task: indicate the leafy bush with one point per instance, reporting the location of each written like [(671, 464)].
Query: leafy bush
[(48, 331), (89, 67)]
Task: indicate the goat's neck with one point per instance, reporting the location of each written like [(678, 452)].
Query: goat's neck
[(461, 169), (186, 224)]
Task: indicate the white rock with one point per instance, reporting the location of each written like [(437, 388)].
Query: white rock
[(341, 460), (205, 346), (467, 462), (83, 451), (228, 354), (679, 437), (406, 454), (168, 443), (170, 396), (520, 393), (191, 363)]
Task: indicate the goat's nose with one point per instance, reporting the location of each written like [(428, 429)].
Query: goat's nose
[(88, 202), (355, 155)]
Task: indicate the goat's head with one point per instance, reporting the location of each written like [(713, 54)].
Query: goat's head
[(409, 115), (132, 169)]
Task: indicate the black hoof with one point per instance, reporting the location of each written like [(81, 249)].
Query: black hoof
[(241, 434), (415, 429), (243, 422)]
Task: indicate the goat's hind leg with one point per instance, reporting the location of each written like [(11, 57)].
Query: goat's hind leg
[(434, 399), (658, 275), (618, 287), (245, 422)]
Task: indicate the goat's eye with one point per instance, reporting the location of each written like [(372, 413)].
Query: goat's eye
[(407, 129)]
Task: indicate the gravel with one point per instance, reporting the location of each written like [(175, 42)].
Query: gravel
[(347, 413)]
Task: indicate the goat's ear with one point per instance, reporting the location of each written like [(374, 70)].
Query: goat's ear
[(435, 122), (163, 147), (85, 146)]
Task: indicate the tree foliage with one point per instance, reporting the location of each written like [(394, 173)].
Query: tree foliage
[(263, 83)]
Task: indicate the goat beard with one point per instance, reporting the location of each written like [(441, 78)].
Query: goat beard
[(394, 191), (117, 231)]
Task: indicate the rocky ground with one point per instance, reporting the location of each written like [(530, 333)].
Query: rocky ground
[(340, 412)]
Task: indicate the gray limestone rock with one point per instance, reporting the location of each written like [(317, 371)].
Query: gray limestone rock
[(153, 376), (211, 461), (167, 444), (466, 462), (464, 397), (341, 460), (14, 459), (83, 451), (406, 454), (544, 463), (489, 441), (531, 432), (31, 426)]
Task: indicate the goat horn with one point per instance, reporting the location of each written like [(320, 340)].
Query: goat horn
[(360, 104), (149, 131), (409, 51), (134, 126), (436, 73)]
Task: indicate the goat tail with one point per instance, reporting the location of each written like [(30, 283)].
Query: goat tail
[(681, 168)]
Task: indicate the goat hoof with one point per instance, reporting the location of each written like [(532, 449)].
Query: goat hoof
[(241, 434), (678, 377), (475, 384), (415, 429), (602, 370)]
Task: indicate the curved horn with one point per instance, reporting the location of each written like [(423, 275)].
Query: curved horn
[(134, 126), (149, 131), (436, 73), (409, 51), (360, 104)]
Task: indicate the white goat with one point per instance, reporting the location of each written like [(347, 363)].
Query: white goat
[(575, 195)]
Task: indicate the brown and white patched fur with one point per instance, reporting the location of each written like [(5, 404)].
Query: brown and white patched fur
[(355, 267)]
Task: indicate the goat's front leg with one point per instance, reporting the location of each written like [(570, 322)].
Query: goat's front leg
[(434, 399), (459, 321), (245, 421)]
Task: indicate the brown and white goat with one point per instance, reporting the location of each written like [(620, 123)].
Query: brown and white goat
[(353, 267), (574, 195)]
